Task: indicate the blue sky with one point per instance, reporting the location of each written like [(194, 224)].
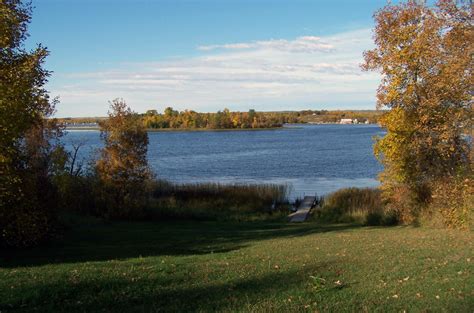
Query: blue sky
[(206, 55)]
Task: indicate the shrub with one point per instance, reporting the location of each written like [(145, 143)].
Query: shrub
[(390, 218), (122, 170), (77, 193), (373, 219), (453, 201)]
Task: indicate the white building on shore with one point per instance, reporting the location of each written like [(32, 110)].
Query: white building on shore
[(345, 121), (349, 121)]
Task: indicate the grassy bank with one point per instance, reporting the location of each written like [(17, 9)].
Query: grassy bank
[(209, 266)]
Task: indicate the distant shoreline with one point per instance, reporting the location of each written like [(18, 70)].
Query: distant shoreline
[(153, 130)]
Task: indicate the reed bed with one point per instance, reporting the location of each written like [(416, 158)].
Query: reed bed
[(354, 205), (218, 201)]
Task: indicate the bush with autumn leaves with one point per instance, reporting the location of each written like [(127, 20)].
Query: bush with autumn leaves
[(425, 57)]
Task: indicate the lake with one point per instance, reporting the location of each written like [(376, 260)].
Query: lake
[(310, 158)]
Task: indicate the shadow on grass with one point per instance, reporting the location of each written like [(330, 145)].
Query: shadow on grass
[(157, 295), (114, 241)]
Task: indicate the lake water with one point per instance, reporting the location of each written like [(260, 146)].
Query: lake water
[(311, 158)]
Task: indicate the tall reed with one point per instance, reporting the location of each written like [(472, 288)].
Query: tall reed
[(215, 200), (360, 205)]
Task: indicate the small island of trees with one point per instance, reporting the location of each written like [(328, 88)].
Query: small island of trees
[(225, 119)]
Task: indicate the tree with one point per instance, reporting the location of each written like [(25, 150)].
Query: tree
[(27, 150), (151, 112), (169, 112), (424, 55), (123, 167)]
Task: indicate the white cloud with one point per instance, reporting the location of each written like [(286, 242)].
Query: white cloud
[(304, 44), (307, 72)]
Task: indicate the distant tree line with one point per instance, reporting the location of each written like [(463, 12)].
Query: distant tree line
[(226, 119)]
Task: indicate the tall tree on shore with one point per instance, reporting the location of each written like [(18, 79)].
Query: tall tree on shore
[(123, 167), (26, 145), (425, 57)]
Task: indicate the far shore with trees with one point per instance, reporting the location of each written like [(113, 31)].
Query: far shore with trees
[(172, 119)]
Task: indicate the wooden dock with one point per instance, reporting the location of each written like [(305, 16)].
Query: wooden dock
[(303, 210)]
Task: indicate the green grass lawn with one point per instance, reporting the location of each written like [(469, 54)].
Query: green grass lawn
[(222, 266)]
